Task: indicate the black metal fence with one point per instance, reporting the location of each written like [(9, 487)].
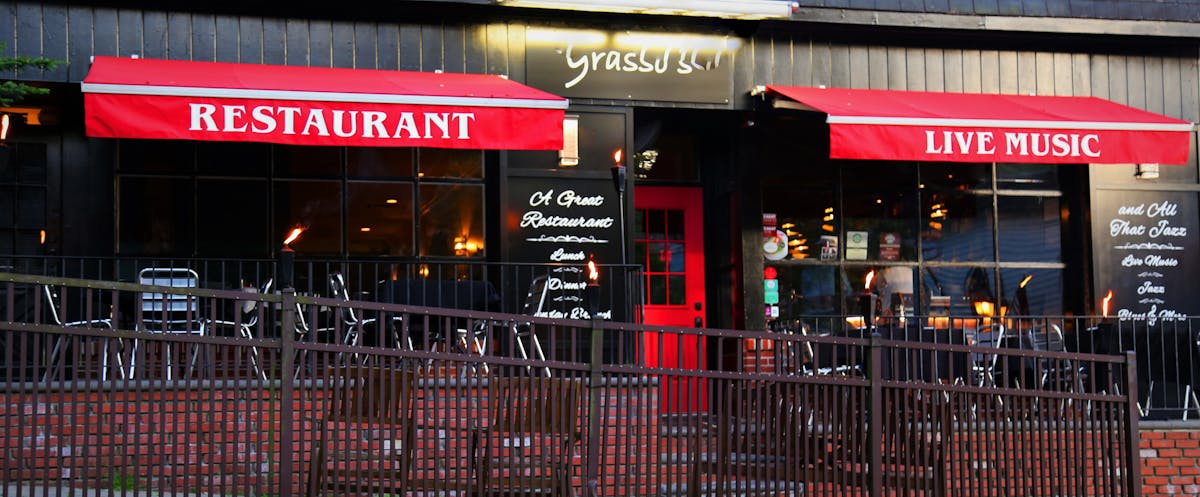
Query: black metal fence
[(231, 392)]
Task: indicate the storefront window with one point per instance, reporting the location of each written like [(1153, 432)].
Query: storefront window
[(957, 226), (314, 205), (451, 220), (1031, 229), (239, 199), (379, 218), (156, 216), (446, 163), (880, 206), (231, 217), (864, 217)]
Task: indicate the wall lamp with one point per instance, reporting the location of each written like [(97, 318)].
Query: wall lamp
[(741, 9)]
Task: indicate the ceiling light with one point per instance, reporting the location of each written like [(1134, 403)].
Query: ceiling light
[(742, 9)]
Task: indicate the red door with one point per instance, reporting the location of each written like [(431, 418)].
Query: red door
[(668, 241)]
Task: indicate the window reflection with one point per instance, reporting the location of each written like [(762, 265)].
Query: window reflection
[(1031, 229), (449, 163), (380, 162), (968, 224), (232, 218), (316, 205), (957, 226), (379, 218), (156, 216), (882, 203), (451, 220)]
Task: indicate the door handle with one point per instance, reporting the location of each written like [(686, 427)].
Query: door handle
[(699, 322)]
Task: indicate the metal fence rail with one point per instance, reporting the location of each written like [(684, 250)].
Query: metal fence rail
[(275, 397)]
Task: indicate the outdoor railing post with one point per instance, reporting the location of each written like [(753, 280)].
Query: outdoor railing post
[(594, 386), (875, 416), (287, 390), (1133, 451)]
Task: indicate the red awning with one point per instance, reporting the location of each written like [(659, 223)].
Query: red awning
[(962, 127), (218, 101)]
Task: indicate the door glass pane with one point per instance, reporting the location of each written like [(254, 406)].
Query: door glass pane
[(656, 228), (674, 224), (677, 290), (657, 291)]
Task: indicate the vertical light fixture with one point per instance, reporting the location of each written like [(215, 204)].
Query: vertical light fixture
[(569, 155)]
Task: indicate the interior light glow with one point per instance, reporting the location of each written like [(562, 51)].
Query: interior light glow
[(563, 36), (704, 43), (741, 9)]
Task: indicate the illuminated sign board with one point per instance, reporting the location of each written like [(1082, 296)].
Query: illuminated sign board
[(631, 65)]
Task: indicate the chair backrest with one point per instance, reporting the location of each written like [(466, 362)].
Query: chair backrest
[(175, 277), (371, 395), (337, 287), (548, 406), (535, 300), (169, 308), (52, 304)]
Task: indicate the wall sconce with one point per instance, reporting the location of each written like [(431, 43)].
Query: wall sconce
[(1146, 171), (569, 155)]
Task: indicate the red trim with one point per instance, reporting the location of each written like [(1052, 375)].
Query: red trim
[(146, 98), (961, 127)]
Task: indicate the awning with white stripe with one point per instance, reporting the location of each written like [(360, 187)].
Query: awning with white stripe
[(969, 127), (218, 101)]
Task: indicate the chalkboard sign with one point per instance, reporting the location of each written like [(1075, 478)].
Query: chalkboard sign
[(563, 221), (1147, 246)]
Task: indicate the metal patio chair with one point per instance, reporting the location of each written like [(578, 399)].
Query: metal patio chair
[(174, 313), (249, 315), (53, 305)]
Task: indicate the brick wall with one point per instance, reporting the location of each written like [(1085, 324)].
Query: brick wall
[(1170, 460), (227, 441)]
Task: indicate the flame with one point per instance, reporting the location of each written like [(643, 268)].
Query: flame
[(1104, 304), (4, 127), (593, 273), (42, 237), (293, 235), (617, 156), (985, 308), (870, 278), (1026, 280)]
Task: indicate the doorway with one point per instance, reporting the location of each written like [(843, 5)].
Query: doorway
[(668, 241)]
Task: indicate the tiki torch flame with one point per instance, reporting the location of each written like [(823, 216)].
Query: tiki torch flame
[(617, 156), (1104, 304), (870, 278), (1026, 280), (293, 235), (593, 273)]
